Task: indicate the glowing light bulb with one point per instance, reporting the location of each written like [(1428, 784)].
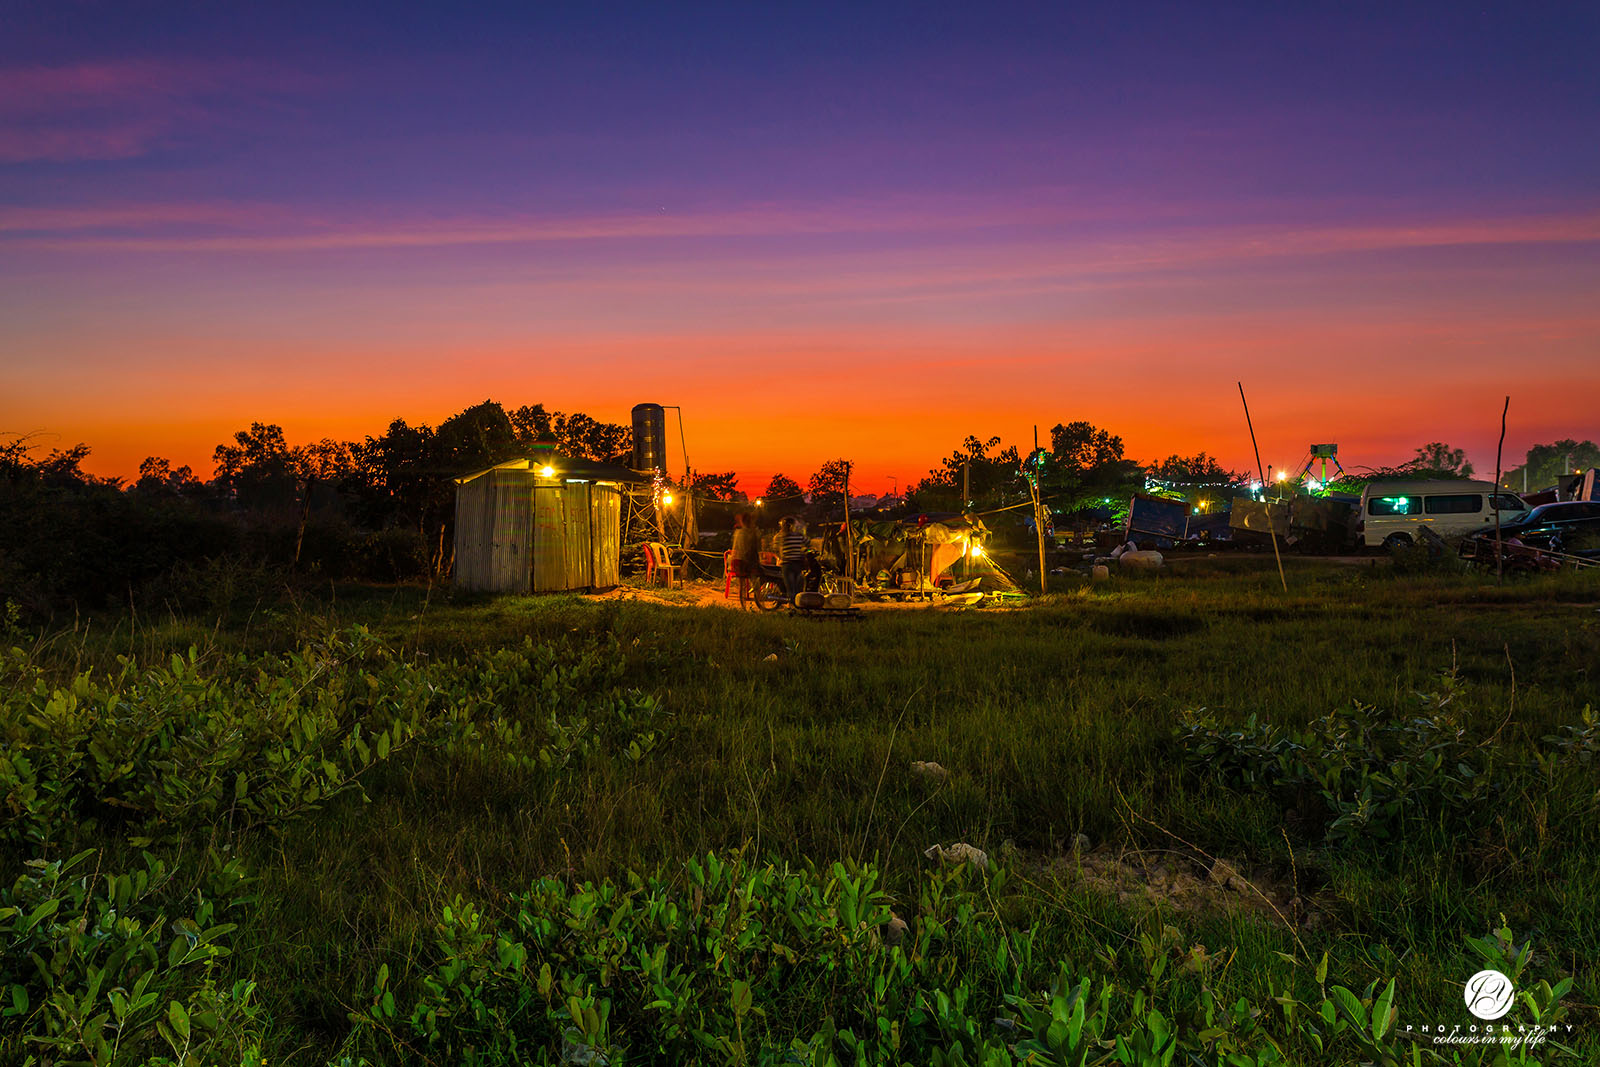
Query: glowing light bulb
[(547, 471), (666, 498)]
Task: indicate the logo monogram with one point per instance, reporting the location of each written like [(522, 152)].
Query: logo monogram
[(1489, 994)]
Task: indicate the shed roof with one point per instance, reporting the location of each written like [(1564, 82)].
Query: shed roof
[(566, 467)]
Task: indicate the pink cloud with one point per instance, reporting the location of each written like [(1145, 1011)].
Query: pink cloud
[(1044, 252), (113, 141), (114, 110), (36, 90), (92, 217)]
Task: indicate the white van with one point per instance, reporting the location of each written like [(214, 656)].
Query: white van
[(1393, 512)]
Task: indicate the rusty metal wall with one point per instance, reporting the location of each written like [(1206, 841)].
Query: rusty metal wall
[(605, 533), (493, 533)]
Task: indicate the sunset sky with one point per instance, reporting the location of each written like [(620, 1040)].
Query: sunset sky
[(856, 230)]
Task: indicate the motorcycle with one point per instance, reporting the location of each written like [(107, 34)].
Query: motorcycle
[(770, 590)]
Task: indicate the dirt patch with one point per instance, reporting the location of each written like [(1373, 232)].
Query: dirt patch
[(689, 595), (710, 594), (1167, 879)]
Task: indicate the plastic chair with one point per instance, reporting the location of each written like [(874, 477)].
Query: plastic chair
[(657, 561)]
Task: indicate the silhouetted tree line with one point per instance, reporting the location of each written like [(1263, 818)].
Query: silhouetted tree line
[(376, 509), (1083, 468)]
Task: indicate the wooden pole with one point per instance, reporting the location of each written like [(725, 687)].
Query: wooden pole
[(1271, 532), (1499, 550), (849, 539), (305, 513), (1038, 508)]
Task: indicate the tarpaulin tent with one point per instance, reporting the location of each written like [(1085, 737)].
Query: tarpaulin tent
[(930, 545), (549, 523)]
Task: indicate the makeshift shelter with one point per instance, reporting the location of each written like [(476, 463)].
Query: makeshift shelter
[(916, 553), (543, 524)]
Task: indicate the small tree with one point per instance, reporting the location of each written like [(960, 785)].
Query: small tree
[(1439, 459), (828, 487), (1198, 478), (1086, 469), (258, 468), (158, 478), (781, 488), (724, 486), (1546, 463), (993, 479)]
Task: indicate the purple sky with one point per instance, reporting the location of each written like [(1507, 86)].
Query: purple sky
[(903, 224)]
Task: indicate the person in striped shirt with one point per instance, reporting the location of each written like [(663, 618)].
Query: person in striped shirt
[(792, 545)]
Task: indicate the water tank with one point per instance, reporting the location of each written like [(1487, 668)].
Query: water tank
[(649, 437)]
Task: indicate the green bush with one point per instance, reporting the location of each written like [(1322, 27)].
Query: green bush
[(239, 742), (1359, 774), (766, 965), (123, 968)]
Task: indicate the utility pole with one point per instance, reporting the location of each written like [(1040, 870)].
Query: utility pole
[(966, 480), (1038, 506), (1499, 549), (849, 537)]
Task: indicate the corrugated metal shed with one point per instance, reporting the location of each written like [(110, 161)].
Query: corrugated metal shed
[(546, 524)]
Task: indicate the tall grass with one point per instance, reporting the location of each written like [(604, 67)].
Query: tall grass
[(1054, 719)]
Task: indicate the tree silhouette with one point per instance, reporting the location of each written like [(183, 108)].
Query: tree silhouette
[(158, 478), (994, 479), (1086, 468), (781, 487), (827, 486), (258, 469), (1438, 458), (724, 486), (1546, 463)]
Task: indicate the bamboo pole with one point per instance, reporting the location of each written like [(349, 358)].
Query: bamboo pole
[(1271, 532)]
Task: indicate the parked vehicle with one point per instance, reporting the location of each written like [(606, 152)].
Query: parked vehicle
[(1572, 527), (770, 592), (1394, 513)]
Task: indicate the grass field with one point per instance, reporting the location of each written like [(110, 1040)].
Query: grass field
[(772, 740)]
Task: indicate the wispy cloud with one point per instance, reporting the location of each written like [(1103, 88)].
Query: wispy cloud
[(229, 229), (115, 110), (1036, 240), (120, 139)]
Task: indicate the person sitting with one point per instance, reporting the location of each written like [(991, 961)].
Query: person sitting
[(792, 545)]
